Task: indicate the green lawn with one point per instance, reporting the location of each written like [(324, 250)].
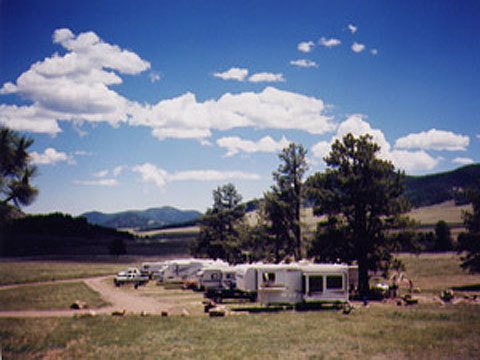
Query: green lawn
[(48, 297), (16, 272), (423, 332)]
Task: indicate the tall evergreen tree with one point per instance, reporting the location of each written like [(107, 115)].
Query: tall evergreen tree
[(283, 202), (361, 196), (15, 171), (219, 236), (469, 242)]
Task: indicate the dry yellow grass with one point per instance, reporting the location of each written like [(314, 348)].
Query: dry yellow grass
[(447, 211)]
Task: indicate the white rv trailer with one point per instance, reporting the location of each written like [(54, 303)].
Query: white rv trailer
[(185, 270), (246, 278), (325, 283), (279, 284), (151, 268), (211, 276), (302, 283)]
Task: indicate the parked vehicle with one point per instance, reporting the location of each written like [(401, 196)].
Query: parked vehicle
[(185, 270), (297, 283), (130, 276)]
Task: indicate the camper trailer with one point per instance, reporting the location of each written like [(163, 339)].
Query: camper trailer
[(210, 277), (302, 283), (185, 270), (279, 284), (326, 283), (246, 280), (151, 268)]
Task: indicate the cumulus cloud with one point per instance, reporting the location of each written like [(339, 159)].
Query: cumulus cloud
[(73, 86), (50, 157), (234, 145), (185, 117), (409, 161), (374, 52), (303, 63), (352, 28), (434, 139), (160, 177), (233, 73), (357, 47), (306, 46), (463, 161), (266, 77), (329, 42)]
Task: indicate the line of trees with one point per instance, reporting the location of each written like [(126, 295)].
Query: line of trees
[(359, 198)]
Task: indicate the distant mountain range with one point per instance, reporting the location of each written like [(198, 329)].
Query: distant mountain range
[(420, 191), (149, 218)]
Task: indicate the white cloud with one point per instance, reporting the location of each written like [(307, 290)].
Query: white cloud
[(266, 77), (234, 145), (101, 182), (303, 63), (329, 42), (374, 52), (409, 161), (233, 73), (119, 169), (413, 161), (434, 139), (185, 117), (154, 76), (357, 47), (352, 28), (101, 173), (306, 46), (212, 175), (73, 86), (160, 177), (150, 173), (50, 157), (321, 149), (463, 161)]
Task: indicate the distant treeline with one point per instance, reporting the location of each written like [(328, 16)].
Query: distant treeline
[(56, 233)]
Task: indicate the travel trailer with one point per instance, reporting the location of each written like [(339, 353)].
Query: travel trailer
[(296, 283), (151, 268), (211, 276), (185, 270)]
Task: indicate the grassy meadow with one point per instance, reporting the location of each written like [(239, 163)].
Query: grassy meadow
[(18, 271), (376, 332), (48, 297), (428, 330)]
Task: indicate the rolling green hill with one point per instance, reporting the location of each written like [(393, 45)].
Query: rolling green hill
[(437, 188)]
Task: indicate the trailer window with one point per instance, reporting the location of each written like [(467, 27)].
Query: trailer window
[(334, 282), (269, 279), (315, 284)]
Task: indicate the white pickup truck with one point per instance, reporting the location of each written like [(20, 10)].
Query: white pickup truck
[(130, 276)]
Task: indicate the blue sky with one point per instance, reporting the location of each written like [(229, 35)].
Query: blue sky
[(145, 104)]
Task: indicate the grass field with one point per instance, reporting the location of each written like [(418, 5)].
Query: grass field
[(18, 272), (48, 297), (422, 332), (379, 331)]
